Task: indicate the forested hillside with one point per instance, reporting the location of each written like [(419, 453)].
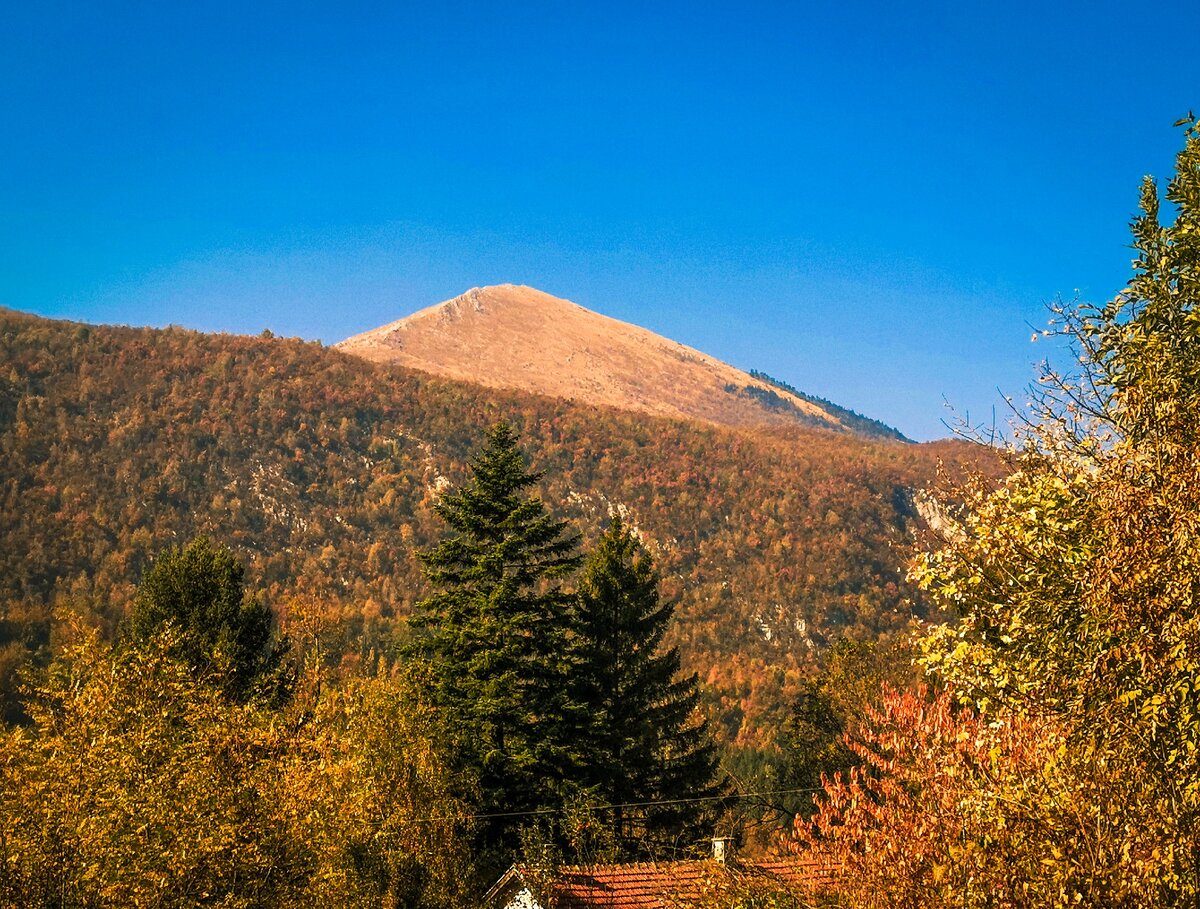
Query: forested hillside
[(320, 469)]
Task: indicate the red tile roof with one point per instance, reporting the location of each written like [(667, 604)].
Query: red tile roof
[(652, 885), (637, 885)]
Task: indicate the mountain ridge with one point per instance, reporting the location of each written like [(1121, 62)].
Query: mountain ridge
[(514, 336)]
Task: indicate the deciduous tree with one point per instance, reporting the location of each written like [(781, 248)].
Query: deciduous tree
[(1072, 746), (137, 784)]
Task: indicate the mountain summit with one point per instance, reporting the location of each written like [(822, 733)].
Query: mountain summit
[(511, 336)]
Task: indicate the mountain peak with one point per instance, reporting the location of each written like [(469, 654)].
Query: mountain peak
[(513, 336), (511, 300), (479, 299)]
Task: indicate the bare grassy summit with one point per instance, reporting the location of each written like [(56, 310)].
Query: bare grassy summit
[(510, 336)]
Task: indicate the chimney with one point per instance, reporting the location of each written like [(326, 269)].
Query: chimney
[(722, 847)]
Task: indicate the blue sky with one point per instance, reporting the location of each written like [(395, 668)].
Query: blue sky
[(868, 200)]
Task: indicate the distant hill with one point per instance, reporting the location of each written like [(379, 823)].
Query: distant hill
[(518, 337), (320, 469)]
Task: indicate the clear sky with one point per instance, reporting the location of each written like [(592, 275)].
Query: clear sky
[(870, 200)]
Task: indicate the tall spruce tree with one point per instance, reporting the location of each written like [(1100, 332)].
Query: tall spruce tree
[(496, 634), (646, 746)]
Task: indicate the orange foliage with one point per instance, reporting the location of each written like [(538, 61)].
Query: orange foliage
[(319, 469)]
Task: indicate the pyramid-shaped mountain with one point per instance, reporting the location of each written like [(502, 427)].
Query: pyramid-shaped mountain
[(510, 336)]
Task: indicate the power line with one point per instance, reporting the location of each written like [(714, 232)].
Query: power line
[(606, 807)]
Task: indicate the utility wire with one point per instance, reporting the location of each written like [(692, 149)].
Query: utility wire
[(651, 804)]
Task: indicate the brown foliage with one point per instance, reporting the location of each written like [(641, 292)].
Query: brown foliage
[(950, 809)]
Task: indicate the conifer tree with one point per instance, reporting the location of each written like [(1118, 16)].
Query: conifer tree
[(645, 743), (496, 636), (224, 632)]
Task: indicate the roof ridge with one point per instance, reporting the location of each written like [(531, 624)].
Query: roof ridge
[(635, 864)]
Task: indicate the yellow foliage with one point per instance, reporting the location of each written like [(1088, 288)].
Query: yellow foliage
[(138, 786)]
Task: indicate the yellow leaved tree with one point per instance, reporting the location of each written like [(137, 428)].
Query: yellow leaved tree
[(139, 785), (1060, 765)]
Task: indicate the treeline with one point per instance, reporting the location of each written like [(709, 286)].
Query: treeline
[(850, 418), (321, 471)]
